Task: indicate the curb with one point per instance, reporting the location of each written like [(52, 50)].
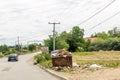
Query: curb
[(47, 70)]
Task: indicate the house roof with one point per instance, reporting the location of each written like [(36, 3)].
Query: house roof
[(91, 39)]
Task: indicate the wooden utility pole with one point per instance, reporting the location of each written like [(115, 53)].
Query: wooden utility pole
[(18, 45), (54, 23)]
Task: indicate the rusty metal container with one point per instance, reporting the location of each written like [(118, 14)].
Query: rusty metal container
[(63, 61)]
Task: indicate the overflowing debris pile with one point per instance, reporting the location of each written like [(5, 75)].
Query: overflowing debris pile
[(60, 53), (90, 67), (61, 58)]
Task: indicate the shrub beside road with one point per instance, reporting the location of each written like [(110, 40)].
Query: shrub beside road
[(1, 55), (43, 60)]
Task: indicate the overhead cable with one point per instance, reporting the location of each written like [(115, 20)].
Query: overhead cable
[(97, 12), (105, 20)]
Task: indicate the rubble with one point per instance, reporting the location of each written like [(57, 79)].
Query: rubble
[(61, 58), (95, 66), (62, 52), (75, 65), (59, 68)]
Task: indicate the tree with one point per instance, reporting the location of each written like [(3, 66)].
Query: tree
[(61, 44), (110, 33), (60, 41), (32, 47), (87, 45), (64, 35), (18, 47), (71, 41), (75, 39), (115, 32), (49, 43), (4, 48), (108, 44), (102, 35)]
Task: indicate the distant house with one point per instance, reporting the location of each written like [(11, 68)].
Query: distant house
[(91, 39)]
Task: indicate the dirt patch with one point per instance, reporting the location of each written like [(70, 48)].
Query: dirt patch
[(102, 74)]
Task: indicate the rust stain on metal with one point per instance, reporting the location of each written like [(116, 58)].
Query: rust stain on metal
[(62, 61)]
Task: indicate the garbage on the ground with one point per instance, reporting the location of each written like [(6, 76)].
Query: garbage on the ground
[(85, 66), (59, 68), (88, 67), (76, 65), (95, 66), (61, 58)]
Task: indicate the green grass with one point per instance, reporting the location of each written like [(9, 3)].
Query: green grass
[(105, 58), (84, 53), (46, 64), (105, 63), (1, 55), (43, 60)]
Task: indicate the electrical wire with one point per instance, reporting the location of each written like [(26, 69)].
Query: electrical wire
[(33, 37), (66, 10), (104, 21), (97, 12)]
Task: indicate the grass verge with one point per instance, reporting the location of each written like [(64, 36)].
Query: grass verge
[(105, 63), (43, 60), (1, 55), (105, 58)]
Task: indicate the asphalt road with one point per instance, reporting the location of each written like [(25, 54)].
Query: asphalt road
[(23, 70)]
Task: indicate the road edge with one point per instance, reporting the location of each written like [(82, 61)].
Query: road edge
[(52, 73)]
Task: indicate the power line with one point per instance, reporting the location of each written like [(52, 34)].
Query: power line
[(97, 12), (31, 37), (93, 14), (68, 8), (105, 20)]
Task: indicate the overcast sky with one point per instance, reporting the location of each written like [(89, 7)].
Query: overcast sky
[(29, 18)]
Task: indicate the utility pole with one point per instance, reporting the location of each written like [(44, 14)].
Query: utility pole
[(54, 23), (28, 45), (15, 44), (18, 45), (21, 48)]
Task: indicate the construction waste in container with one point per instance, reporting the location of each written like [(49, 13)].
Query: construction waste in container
[(61, 58), (60, 53)]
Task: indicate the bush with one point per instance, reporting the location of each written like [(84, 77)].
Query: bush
[(108, 44), (46, 64), (43, 59), (1, 55)]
